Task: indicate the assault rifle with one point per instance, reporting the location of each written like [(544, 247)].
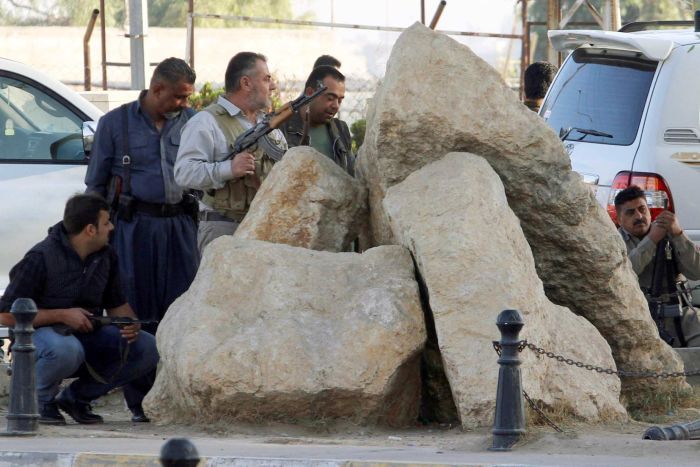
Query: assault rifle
[(271, 121), (668, 296), (120, 321), (99, 321)]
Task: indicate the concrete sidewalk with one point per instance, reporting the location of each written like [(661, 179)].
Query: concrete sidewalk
[(120, 442), (123, 443)]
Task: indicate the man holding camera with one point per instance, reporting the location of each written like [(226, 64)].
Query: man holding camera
[(663, 257)]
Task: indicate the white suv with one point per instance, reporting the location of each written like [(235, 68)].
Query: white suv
[(627, 105), (42, 161)]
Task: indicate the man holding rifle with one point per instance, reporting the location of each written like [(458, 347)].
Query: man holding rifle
[(316, 124), (663, 258), (205, 160), (72, 276)]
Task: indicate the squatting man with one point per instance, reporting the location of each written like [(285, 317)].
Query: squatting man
[(72, 275), (659, 251)]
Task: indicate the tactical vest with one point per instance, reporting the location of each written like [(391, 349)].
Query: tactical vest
[(233, 200)]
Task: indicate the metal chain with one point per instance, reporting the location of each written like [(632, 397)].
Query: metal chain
[(541, 413), (609, 371)]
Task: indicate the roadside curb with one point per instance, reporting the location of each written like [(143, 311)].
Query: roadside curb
[(87, 459)]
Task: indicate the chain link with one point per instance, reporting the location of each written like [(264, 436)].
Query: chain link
[(541, 413), (586, 366), (523, 344), (609, 371)]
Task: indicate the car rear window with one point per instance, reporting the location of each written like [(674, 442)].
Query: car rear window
[(599, 91)]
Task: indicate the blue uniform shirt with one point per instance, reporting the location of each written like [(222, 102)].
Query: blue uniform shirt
[(158, 256), (152, 153)]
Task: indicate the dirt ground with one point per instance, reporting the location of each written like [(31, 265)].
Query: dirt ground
[(624, 439)]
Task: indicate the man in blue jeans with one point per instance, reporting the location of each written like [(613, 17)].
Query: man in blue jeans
[(72, 275)]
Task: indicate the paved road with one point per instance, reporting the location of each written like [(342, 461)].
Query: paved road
[(100, 447)]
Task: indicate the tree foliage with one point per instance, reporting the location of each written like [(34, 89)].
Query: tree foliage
[(161, 13), (630, 10)]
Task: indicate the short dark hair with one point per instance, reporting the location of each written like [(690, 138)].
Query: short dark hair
[(327, 60), (81, 210), (538, 77), (321, 72), (242, 64), (628, 194), (174, 70)]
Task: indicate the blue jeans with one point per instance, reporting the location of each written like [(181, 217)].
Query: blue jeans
[(105, 351)]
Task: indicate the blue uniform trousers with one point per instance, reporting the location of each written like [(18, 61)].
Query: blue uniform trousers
[(158, 259), (59, 357)]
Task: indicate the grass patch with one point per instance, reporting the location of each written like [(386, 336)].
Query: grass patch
[(652, 406), (559, 414)]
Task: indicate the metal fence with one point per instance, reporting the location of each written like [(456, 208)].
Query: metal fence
[(358, 92)]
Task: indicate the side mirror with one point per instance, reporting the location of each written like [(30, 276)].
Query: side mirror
[(88, 137)]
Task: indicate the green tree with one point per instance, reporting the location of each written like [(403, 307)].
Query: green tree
[(161, 13), (56, 12), (358, 129), (630, 10), (169, 13)]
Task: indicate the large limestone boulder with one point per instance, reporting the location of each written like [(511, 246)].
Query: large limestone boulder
[(269, 331), (475, 262), (465, 106), (307, 201)]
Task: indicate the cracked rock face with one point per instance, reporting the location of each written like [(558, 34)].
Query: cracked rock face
[(472, 255), (307, 201), (438, 97), (275, 332)]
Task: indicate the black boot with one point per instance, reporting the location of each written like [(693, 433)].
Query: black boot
[(49, 414), (138, 415), (79, 411)]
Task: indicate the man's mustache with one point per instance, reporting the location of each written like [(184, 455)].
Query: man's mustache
[(639, 222)]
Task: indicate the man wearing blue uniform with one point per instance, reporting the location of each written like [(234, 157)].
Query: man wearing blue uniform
[(155, 233)]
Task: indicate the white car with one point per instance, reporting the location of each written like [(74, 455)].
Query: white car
[(627, 105), (42, 160)]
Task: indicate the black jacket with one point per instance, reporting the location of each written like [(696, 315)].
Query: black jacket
[(54, 276), (339, 133)]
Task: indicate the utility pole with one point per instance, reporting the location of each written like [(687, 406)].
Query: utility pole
[(611, 15), (608, 20), (553, 19), (138, 30)]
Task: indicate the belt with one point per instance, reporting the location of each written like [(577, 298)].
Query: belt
[(158, 210), (214, 216)]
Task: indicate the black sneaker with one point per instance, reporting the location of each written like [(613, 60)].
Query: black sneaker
[(79, 411), (49, 414), (139, 416)]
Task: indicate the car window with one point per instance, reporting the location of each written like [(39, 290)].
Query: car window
[(35, 126), (599, 96)]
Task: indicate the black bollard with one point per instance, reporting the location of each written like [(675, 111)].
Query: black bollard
[(179, 452), (690, 430), (509, 421), (22, 416)]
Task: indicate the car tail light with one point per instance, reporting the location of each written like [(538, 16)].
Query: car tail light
[(657, 191)]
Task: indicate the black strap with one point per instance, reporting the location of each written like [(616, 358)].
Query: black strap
[(126, 158), (663, 282), (671, 274)]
